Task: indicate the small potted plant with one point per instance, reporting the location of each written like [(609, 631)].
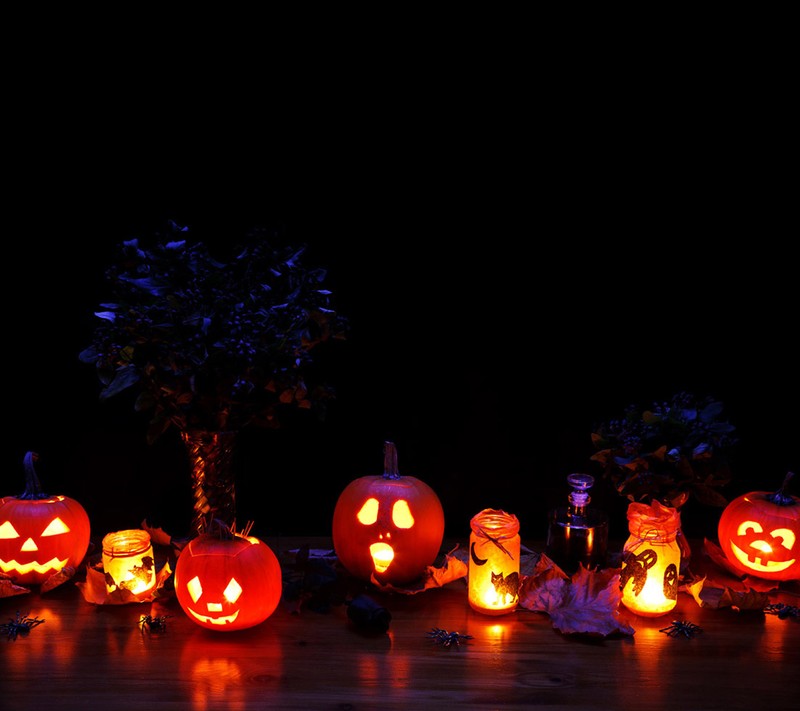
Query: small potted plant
[(663, 455), (667, 452), (213, 345)]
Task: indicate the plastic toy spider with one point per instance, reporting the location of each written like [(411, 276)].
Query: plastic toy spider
[(153, 624), (447, 639), (782, 611), (22, 625), (681, 627)]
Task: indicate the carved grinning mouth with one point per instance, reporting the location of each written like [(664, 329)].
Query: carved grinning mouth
[(52, 565), (757, 563), (224, 620)]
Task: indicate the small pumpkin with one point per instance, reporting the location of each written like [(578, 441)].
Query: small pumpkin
[(227, 581), (40, 534), (759, 533), (388, 528)]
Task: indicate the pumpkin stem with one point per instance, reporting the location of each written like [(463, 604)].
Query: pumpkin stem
[(33, 488), (782, 496), (390, 470)]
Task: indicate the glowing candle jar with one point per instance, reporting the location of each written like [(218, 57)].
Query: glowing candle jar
[(493, 573), (651, 560), (128, 562)]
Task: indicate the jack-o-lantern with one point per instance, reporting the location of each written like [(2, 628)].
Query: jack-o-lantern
[(759, 533), (388, 528), (227, 581), (40, 534)]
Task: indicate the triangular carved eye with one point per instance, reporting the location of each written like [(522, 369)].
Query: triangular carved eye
[(55, 528), (8, 531)]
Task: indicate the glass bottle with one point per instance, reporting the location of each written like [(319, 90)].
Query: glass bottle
[(493, 572), (576, 534)]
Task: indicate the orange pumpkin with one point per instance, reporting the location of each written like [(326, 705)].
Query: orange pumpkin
[(40, 534), (227, 581), (759, 533), (388, 529)]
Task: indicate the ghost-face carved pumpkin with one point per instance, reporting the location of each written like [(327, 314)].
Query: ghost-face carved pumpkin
[(759, 532), (227, 581), (40, 534), (387, 529)]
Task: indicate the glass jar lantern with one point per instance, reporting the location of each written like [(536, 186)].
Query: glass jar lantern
[(651, 560), (493, 572), (128, 562)]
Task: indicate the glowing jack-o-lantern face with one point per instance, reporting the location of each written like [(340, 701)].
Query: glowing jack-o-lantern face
[(40, 534), (388, 528), (227, 584), (759, 532)]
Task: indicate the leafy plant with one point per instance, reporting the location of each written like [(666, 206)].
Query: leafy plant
[(667, 452), (213, 344)]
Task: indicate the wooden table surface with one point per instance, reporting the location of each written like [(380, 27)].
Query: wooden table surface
[(86, 656)]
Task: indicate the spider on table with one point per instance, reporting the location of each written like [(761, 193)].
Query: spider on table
[(149, 623), (22, 625)]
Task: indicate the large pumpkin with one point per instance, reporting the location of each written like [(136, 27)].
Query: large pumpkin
[(388, 529), (759, 533), (227, 581), (40, 534)]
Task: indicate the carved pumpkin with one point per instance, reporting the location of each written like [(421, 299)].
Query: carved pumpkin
[(759, 533), (40, 534), (227, 581), (388, 529)]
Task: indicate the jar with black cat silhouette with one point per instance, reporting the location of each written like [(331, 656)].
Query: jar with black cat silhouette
[(493, 576)]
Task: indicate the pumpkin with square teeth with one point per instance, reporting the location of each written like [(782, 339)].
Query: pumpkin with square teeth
[(227, 581)]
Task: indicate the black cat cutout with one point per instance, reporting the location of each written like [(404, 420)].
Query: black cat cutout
[(505, 586)]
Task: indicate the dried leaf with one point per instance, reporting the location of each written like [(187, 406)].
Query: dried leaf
[(588, 603), (158, 536), (717, 556), (452, 569), (9, 589), (725, 575), (94, 588), (722, 586), (56, 579), (695, 589), (749, 600)]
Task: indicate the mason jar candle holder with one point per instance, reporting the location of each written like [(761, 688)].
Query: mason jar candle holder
[(128, 562), (651, 559), (493, 571)]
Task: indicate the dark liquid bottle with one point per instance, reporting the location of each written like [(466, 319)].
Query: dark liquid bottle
[(576, 534)]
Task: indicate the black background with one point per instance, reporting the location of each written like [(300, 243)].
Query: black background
[(518, 260)]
